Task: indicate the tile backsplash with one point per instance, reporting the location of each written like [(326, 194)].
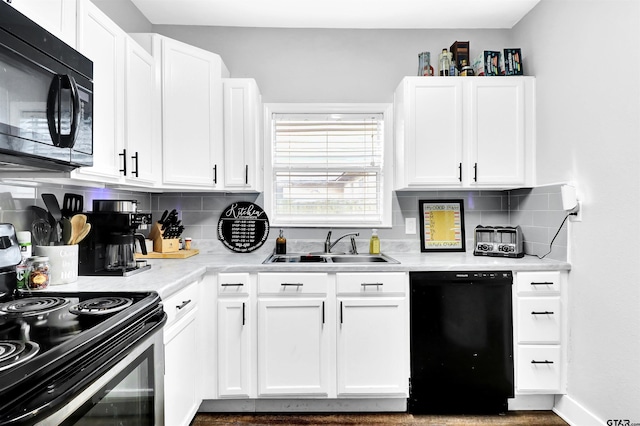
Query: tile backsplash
[(538, 211)]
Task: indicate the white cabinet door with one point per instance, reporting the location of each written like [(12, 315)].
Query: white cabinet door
[(497, 130), (431, 134), (181, 398), (539, 369), (242, 134), (293, 347), (102, 41), (372, 355), (471, 132), (56, 16), (234, 346), (142, 120), (192, 114)]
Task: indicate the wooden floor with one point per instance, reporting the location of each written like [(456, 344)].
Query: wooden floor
[(538, 418)]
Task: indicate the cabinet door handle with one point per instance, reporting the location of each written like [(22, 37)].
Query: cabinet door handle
[(322, 312), (215, 173), (124, 162), (546, 361), (371, 284), (135, 162), (232, 284), (340, 312), (542, 283), (475, 172), (183, 304), (243, 313), (542, 313), (246, 174), (291, 284), (460, 172)]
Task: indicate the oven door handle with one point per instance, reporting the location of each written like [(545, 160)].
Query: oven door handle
[(54, 115)]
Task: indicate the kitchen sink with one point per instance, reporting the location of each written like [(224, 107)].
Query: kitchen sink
[(295, 258), (362, 258), (329, 258)]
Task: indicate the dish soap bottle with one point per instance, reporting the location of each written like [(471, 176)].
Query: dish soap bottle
[(281, 244), (374, 243)]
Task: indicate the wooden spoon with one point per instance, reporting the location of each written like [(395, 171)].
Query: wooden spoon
[(77, 224), (83, 233)]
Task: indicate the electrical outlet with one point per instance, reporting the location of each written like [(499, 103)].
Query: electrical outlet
[(578, 216), (410, 225)]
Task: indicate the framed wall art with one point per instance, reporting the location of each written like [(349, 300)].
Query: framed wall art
[(441, 225)]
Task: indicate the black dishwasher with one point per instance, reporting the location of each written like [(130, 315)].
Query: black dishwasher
[(461, 342)]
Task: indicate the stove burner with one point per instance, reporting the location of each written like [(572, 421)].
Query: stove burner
[(31, 306), (101, 305), (13, 352)]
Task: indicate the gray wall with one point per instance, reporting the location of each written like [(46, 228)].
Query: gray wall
[(538, 211), (324, 65), (588, 129)]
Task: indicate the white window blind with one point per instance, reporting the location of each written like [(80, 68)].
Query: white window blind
[(327, 168)]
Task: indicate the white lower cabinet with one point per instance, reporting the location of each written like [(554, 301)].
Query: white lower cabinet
[(540, 332), (182, 360), (539, 368), (293, 335), (372, 336), (235, 325)]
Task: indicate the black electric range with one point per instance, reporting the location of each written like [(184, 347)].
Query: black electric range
[(54, 345)]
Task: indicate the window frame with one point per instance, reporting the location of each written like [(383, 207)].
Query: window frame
[(387, 173)]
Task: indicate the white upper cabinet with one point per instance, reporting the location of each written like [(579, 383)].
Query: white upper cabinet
[(56, 16), (429, 132), (499, 129), (242, 134), (464, 132), (192, 129), (142, 120), (102, 41)]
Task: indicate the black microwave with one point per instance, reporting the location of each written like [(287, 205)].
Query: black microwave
[(46, 98)]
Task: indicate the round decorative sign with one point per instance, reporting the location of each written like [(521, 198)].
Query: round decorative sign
[(243, 227)]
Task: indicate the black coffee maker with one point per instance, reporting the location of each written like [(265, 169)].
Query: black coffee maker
[(109, 247)]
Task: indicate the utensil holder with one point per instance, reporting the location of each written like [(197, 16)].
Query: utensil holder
[(163, 245), (63, 261)]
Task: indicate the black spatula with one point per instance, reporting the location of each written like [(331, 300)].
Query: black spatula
[(72, 204)]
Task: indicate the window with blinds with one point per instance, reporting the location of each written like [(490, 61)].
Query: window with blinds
[(327, 168)]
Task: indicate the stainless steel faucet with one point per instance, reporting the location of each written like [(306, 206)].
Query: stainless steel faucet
[(328, 245)]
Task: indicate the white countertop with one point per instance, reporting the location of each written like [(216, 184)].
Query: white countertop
[(167, 276)]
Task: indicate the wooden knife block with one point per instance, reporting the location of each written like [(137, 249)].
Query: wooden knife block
[(163, 245)]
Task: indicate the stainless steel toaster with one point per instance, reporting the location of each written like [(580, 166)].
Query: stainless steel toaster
[(503, 241)]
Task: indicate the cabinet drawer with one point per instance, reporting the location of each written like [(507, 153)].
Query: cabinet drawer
[(538, 282), (177, 305), (538, 368), (233, 284), (371, 283), (539, 319), (292, 284)]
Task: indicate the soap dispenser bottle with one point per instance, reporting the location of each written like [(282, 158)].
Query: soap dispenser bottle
[(281, 244), (374, 243)]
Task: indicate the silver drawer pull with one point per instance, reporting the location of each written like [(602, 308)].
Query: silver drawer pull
[(546, 361), (292, 284), (542, 283), (184, 303), (371, 284), (232, 284), (542, 313)]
